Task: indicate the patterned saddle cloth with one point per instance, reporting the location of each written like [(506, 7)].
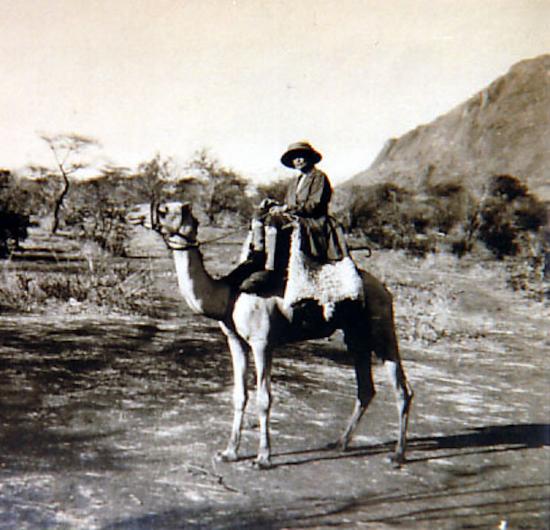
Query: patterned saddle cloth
[(325, 283)]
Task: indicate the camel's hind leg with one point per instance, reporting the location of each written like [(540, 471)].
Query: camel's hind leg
[(375, 331), (240, 395), (386, 347), (404, 395), (361, 345), (365, 393)]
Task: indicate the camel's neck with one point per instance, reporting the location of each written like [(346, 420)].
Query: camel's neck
[(203, 294)]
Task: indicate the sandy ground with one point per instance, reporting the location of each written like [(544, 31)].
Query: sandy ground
[(111, 422)]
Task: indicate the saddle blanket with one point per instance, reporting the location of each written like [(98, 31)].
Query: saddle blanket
[(326, 283)]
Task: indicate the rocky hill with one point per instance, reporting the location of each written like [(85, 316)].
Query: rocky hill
[(505, 128)]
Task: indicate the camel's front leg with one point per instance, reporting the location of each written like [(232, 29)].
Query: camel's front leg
[(262, 360), (240, 395)]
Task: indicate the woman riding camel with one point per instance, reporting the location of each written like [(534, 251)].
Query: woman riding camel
[(306, 201)]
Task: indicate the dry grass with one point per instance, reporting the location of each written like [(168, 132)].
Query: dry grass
[(436, 297), (441, 297), (101, 285)]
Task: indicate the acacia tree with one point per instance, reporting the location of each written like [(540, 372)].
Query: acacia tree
[(66, 150), (152, 179), (224, 189), (275, 190)]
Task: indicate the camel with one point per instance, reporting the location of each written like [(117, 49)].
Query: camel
[(258, 323)]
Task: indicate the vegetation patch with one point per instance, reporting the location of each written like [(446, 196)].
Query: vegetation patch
[(506, 223), (108, 287)]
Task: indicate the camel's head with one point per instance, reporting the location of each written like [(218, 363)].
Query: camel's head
[(173, 220)]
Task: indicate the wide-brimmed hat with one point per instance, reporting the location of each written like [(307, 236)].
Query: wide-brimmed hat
[(300, 149)]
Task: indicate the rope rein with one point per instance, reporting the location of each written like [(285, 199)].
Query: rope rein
[(219, 238), (185, 243)]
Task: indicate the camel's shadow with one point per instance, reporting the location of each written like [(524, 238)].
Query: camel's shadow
[(488, 439)]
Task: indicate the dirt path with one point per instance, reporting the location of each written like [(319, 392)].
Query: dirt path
[(112, 422)]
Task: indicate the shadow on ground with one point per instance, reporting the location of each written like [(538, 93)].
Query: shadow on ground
[(483, 439)]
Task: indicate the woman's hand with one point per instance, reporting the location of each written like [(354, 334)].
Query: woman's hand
[(267, 204), (278, 209)]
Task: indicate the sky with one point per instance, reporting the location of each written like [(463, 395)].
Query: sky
[(245, 78)]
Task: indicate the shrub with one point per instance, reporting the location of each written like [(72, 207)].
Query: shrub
[(394, 218), (14, 219), (107, 285), (96, 210), (105, 225), (13, 230), (509, 212), (530, 213), (18, 293), (497, 229), (229, 197), (452, 206), (507, 187), (275, 190), (419, 222)]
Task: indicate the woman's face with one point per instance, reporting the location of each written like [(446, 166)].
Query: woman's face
[(300, 162)]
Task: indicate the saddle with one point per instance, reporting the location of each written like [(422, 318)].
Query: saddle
[(325, 283), (307, 280)]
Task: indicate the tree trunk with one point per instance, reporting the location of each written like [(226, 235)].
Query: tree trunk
[(59, 202)]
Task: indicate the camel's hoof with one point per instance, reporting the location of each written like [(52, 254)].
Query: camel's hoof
[(262, 464), (226, 456), (338, 445), (397, 460)]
